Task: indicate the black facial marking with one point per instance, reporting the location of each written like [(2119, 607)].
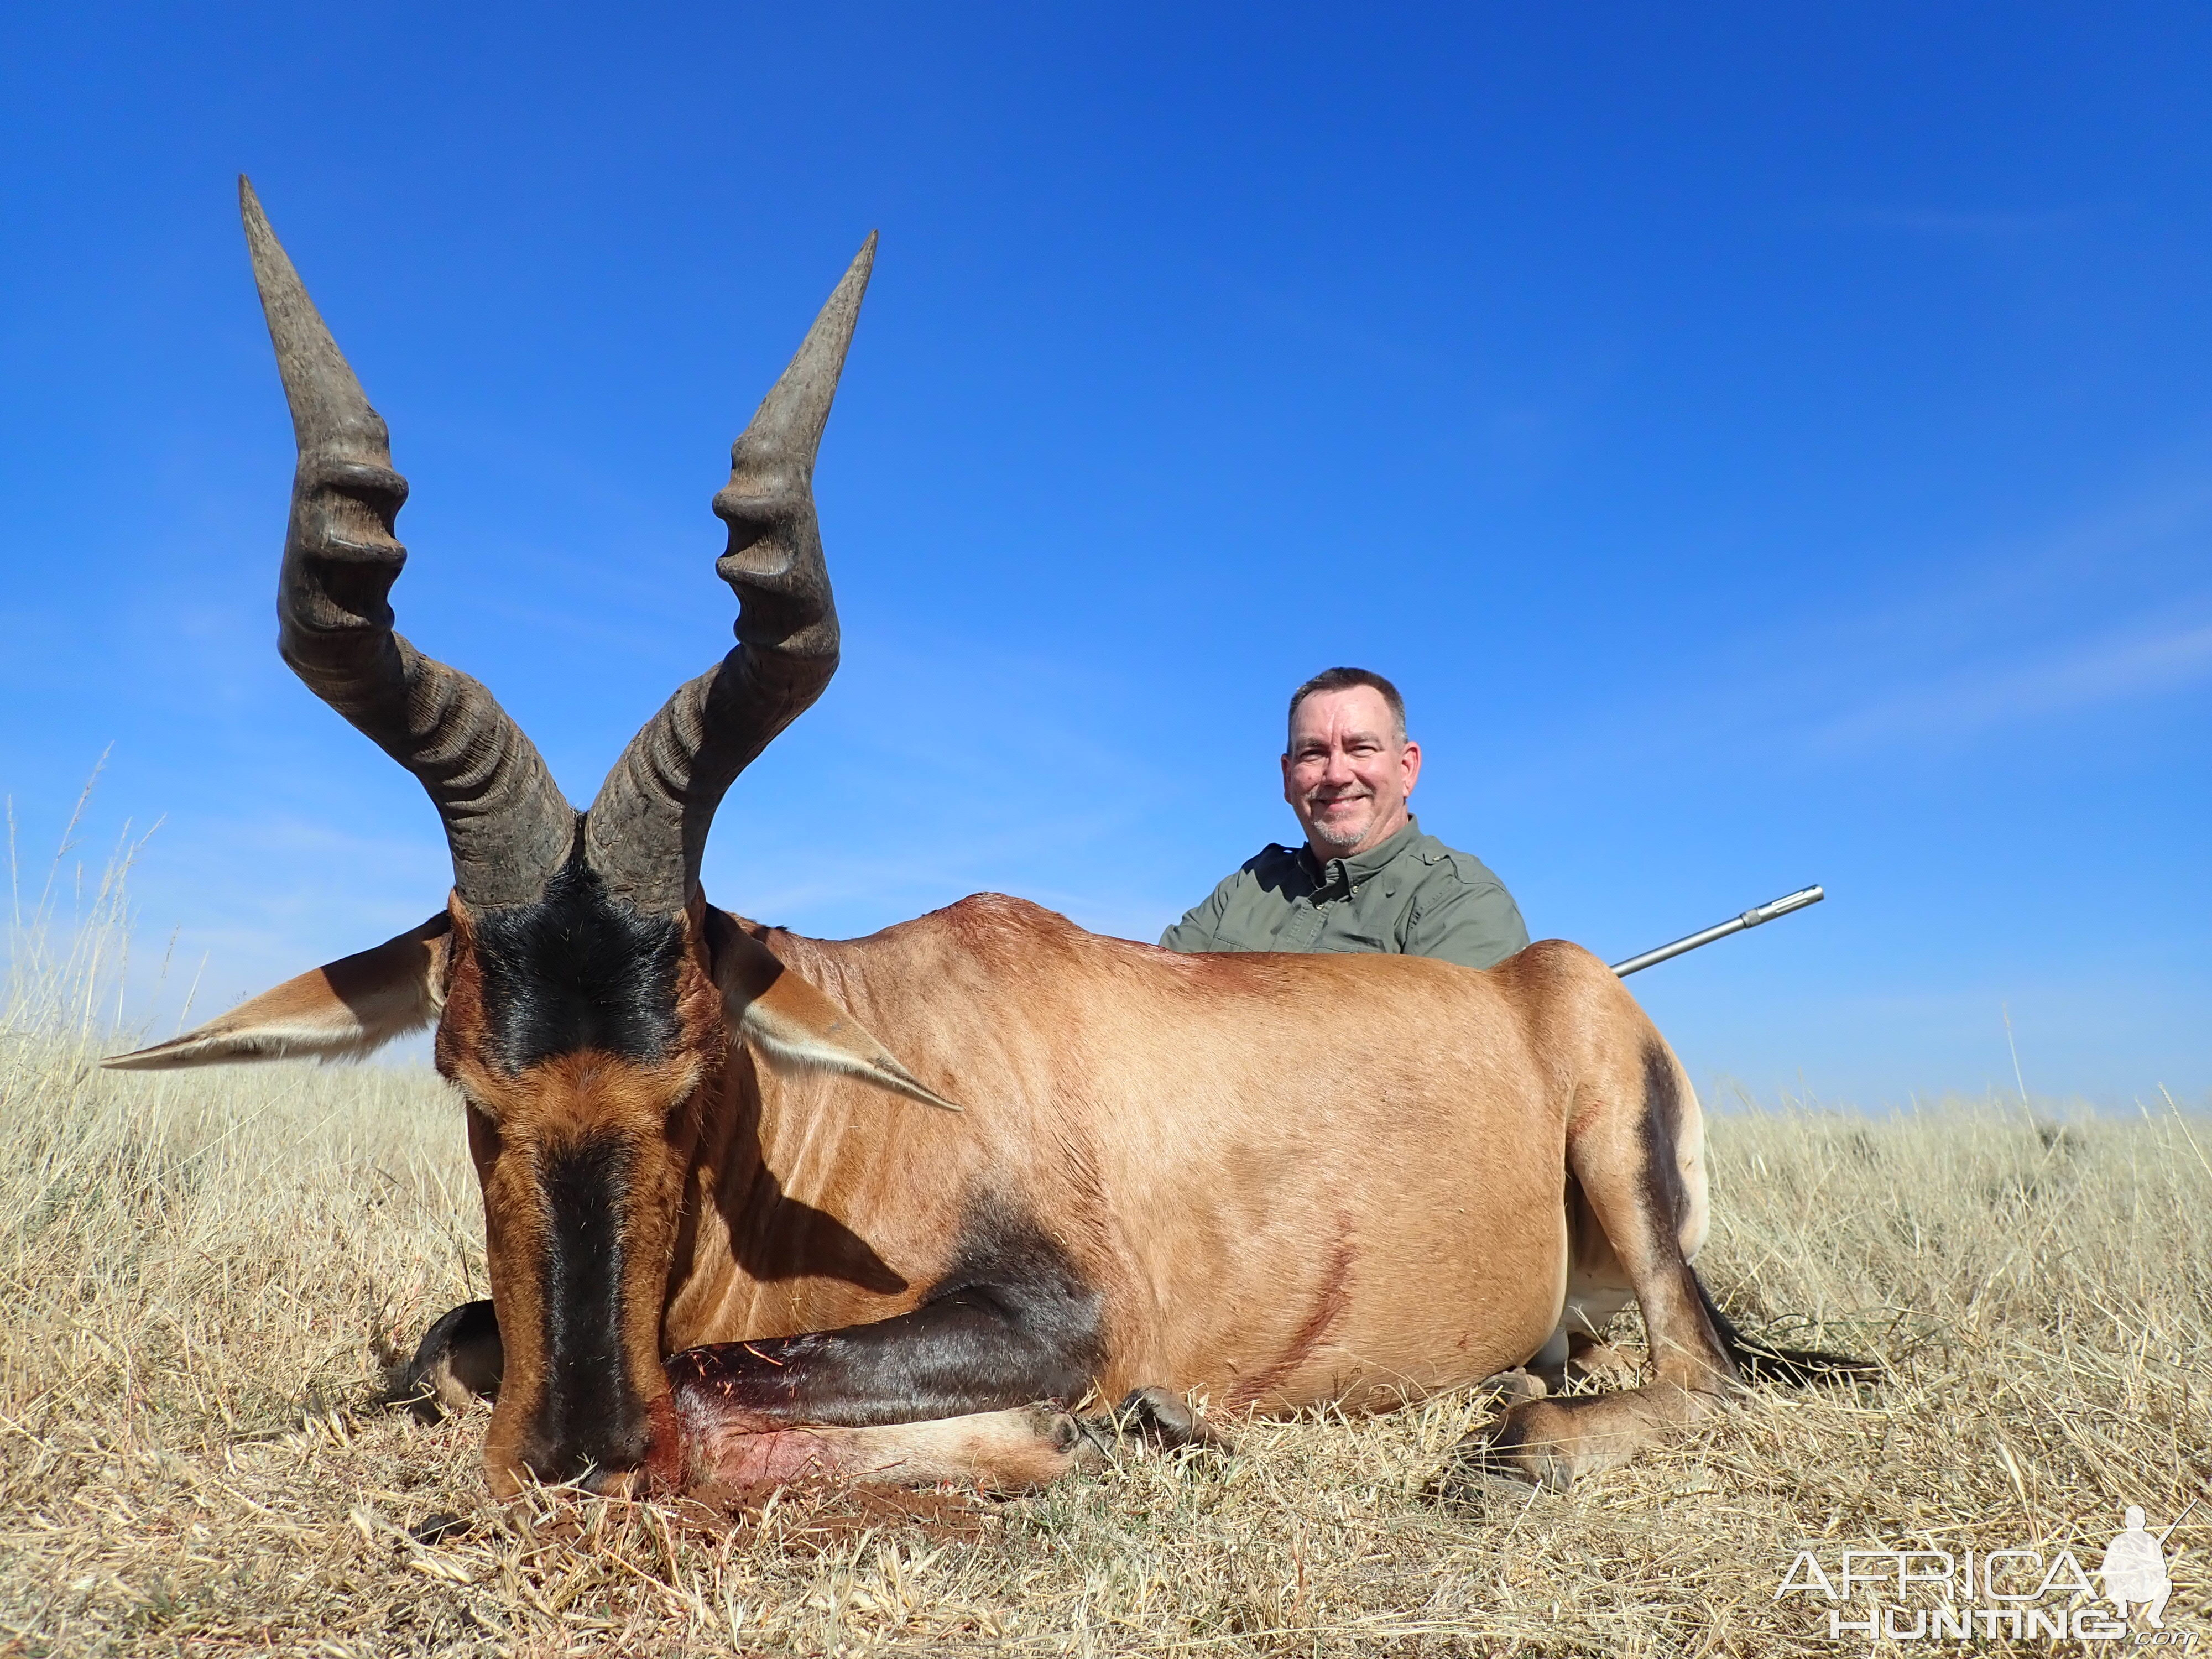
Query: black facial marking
[(1011, 1321), (591, 1415), (577, 969)]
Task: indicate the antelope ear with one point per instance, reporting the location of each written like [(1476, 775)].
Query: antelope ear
[(794, 1026), (341, 1011)]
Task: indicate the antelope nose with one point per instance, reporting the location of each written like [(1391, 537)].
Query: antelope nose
[(611, 1483), (604, 1470)]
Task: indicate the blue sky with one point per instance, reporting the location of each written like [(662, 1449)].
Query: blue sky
[(1767, 445)]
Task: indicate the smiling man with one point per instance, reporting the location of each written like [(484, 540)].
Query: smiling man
[(1367, 878)]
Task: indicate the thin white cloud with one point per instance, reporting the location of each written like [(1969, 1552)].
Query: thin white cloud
[(1962, 704)]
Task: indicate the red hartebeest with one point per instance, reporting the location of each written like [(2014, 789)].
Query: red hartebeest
[(729, 1234)]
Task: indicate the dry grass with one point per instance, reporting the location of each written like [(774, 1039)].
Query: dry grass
[(202, 1270)]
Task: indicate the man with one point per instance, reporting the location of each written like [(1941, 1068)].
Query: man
[(1367, 878)]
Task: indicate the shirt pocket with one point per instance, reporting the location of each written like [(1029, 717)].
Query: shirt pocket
[(1354, 934)]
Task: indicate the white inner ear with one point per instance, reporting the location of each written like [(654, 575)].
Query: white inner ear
[(342, 1011), (843, 1046), (329, 1038)]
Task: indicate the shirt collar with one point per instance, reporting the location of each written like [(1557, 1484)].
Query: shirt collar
[(1361, 866)]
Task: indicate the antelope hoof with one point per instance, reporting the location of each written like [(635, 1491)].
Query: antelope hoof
[(1158, 1419), (1538, 1443), (1513, 1387), (458, 1360)]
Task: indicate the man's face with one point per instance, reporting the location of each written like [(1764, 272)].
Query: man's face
[(1348, 773)]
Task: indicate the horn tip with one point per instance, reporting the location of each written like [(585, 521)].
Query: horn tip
[(252, 215)]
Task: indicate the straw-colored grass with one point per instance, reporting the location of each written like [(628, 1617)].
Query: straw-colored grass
[(203, 1271)]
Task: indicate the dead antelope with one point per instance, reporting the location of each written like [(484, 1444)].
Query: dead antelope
[(737, 1228)]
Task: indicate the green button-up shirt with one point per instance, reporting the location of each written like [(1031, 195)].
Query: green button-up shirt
[(1412, 896)]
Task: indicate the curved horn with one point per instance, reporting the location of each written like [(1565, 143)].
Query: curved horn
[(507, 825), (647, 827)]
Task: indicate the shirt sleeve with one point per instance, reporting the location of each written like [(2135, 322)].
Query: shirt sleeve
[(1198, 930), (1476, 924)]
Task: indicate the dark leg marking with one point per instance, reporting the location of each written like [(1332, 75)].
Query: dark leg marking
[(1754, 1362), (1012, 1323), (1663, 1133), (1698, 1358), (1550, 1441), (459, 1358)]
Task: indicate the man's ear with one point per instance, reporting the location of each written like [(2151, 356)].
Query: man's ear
[(794, 1027), (341, 1011)]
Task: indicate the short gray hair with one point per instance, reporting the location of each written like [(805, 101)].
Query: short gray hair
[(1343, 679)]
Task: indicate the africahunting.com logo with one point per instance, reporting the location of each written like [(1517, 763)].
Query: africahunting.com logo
[(1937, 1595)]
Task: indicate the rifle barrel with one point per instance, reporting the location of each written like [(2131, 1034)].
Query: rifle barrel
[(1752, 918)]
